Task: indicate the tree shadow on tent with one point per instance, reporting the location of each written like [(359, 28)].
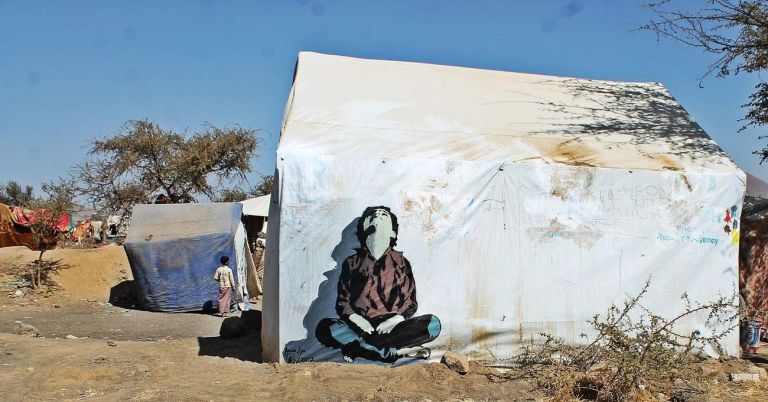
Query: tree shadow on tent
[(239, 337), (646, 114), (324, 306)]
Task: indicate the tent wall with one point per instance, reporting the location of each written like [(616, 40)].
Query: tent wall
[(174, 250), (495, 247), (271, 329), (524, 202)]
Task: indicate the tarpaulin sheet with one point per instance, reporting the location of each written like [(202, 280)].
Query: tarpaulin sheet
[(524, 203), (12, 234), (174, 249), (753, 256)]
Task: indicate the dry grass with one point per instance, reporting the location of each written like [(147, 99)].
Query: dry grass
[(629, 359)]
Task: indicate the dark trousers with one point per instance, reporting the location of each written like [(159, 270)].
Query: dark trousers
[(339, 334)]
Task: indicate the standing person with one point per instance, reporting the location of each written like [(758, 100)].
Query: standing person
[(226, 281)]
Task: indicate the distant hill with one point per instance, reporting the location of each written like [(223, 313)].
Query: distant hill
[(756, 187)]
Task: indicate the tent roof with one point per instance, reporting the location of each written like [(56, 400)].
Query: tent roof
[(258, 206), (159, 222), (357, 107)]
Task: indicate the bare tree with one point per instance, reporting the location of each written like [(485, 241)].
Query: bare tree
[(144, 160), (736, 31), (46, 226), (263, 187)]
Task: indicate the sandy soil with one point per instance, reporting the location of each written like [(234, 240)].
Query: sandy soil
[(91, 349)]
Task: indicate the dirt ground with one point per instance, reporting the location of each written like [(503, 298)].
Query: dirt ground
[(94, 345)]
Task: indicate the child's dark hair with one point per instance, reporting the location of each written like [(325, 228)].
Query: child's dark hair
[(361, 233), (224, 259)]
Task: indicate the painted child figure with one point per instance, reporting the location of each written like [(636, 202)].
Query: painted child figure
[(376, 299)]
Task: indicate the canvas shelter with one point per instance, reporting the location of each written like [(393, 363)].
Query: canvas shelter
[(174, 250), (258, 206), (12, 233), (524, 202), (256, 214)]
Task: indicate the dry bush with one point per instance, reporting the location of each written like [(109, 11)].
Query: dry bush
[(635, 354)]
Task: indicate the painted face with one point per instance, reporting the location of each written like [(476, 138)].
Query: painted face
[(380, 220)]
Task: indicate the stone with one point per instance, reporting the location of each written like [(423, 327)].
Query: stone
[(761, 372), (71, 337), (26, 329), (143, 368), (711, 368), (101, 359), (111, 343), (456, 362), (744, 377)]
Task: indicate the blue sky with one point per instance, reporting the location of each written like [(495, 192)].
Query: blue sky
[(77, 70)]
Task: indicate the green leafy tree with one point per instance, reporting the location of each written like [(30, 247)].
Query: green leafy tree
[(144, 160), (735, 31)]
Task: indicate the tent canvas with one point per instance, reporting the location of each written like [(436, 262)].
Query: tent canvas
[(258, 206), (524, 202), (174, 249), (12, 234)]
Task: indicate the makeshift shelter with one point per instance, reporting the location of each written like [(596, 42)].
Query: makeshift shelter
[(174, 249), (523, 203), (258, 206), (16, 227), (255, 215), (12, 233), (753, 255)]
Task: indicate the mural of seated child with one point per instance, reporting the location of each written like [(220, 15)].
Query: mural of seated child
[(376, 300)]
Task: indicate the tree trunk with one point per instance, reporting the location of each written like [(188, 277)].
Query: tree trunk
[(32, 276), (39, 268)]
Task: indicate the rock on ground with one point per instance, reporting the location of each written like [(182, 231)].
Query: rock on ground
[(26, 329), (456, 362), (761, 372), (744, 377)]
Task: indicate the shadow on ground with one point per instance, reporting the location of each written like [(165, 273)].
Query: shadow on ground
[(239, 337), (123, 295), (757, 358)]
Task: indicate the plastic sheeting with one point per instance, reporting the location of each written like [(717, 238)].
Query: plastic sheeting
[(753, 267), (174, 249), (524, 203), (258, 206)]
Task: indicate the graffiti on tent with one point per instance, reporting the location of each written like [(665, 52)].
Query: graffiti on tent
[(376, 301)]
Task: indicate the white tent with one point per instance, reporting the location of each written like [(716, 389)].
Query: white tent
[(258, 206), (524, 201)]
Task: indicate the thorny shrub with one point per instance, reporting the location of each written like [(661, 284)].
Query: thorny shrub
[(634, 355)]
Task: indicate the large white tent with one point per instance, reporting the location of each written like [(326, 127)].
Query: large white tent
[(525, 202)]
